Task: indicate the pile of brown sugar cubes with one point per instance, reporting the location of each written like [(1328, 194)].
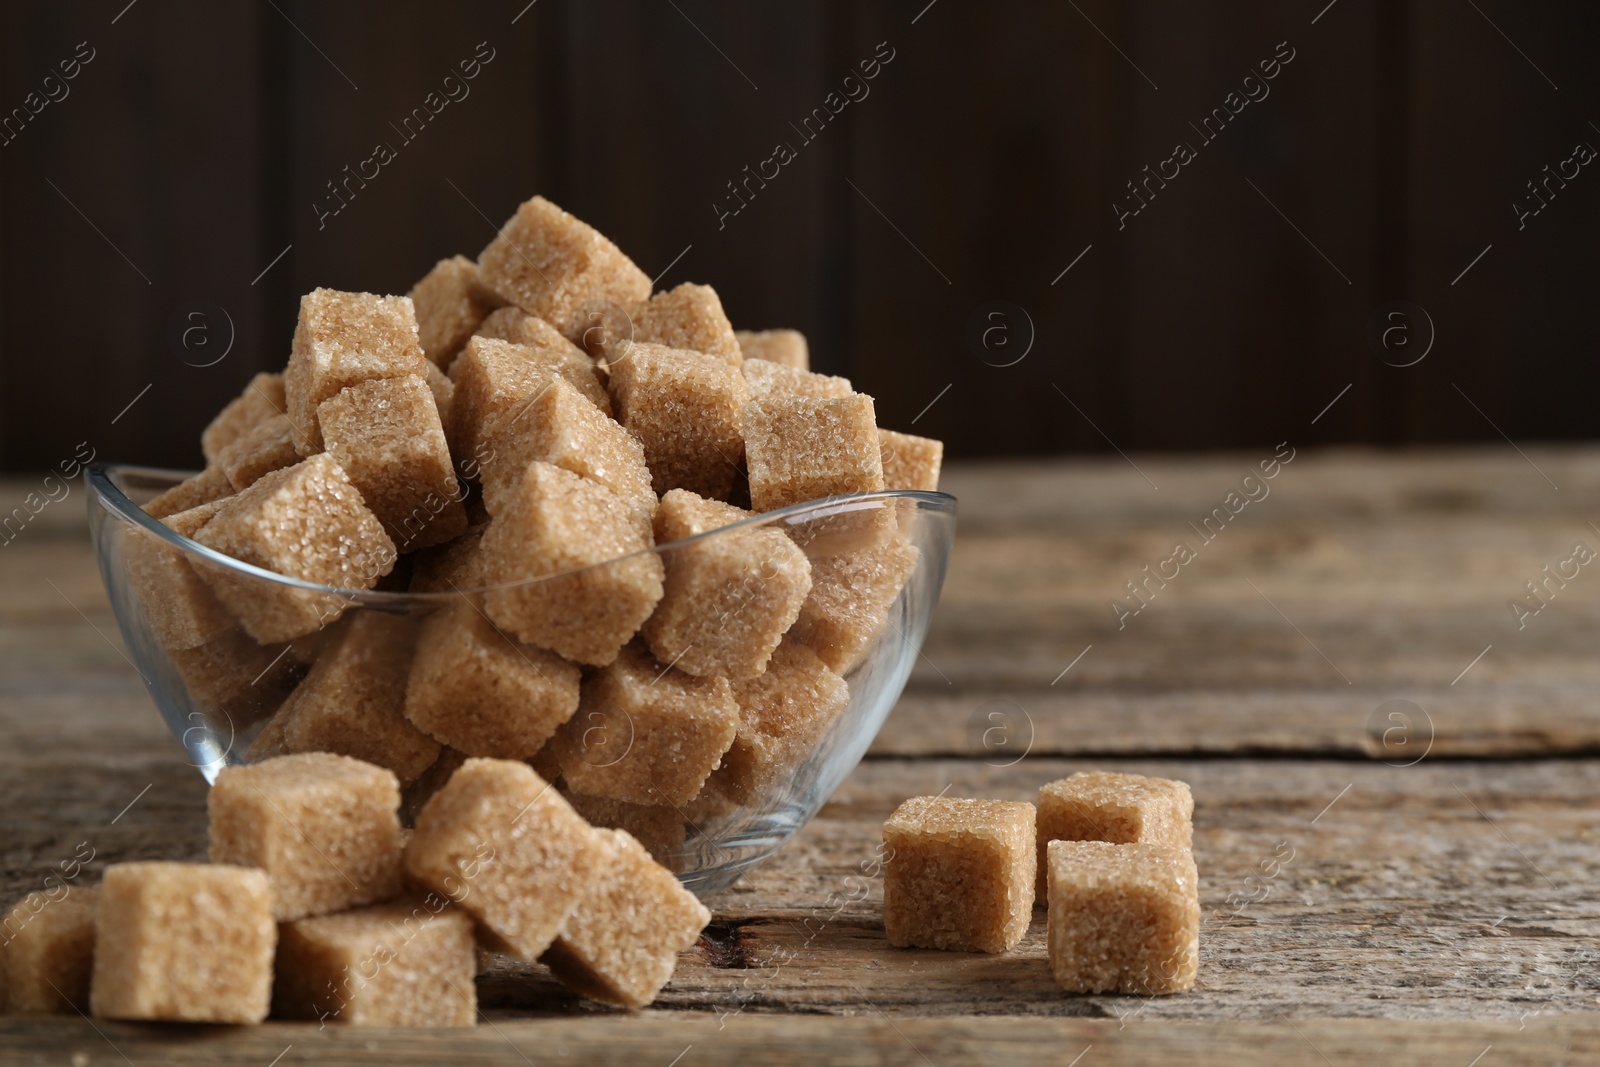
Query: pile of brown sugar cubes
[(317, 905), (1110, 855)]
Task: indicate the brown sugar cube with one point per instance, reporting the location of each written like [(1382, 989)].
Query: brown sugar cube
[(353, 701), (182, 610), (449, 306), (189, 942), (763, 378), (234, 675), (551, 265), (405, 963), (387, 436), (958, 874), (261, 400), (520, 328), (323, 827), (1121, 808), (503, 845), (556, 522), (686, 409), (48, 952), (496, 380), (689, 316), (783, 715), (910, 462), (728, 598), (659, 828), (802, 448), (1123, 918), (646, 733), (266, 447), (207, 487), (851, 597), (562, 427), (621, 944), (342, 339), (444, 395), (477, 690), (449, 567), (308, 522), (777, 346)]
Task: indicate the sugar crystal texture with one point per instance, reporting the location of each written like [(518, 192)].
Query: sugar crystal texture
[(561, 426), (353, 701), (342, 339), (852, 594), (496, 381), (1121, 808), (500, 842), (910, 462), (646, 732), (689, 317), (552, 265), (189, 942), (308, 522), (262, 399), (409, 962), (386, 435), (476, 689), (778, 346), (449, 306), (1124, 918), (207, 487), (763, 378), (728, 597), (658, 827), (686, 409), (958, 874), (270, 445), (784, 714), (801, 448), (556, 522), (520, 328), (324, 828), (182, 610), (621, 944), (48, 951)]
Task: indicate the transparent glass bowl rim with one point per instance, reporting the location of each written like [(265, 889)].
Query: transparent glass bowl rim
[(102, 481)]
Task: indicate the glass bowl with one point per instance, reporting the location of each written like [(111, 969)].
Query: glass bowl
[(876, 560)]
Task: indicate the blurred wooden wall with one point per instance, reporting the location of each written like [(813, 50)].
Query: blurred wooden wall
[(179, 172)]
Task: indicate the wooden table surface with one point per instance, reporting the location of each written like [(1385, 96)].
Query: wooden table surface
[(1438, 904)]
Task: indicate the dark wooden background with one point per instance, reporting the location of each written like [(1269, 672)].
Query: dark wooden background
[(188, 154)]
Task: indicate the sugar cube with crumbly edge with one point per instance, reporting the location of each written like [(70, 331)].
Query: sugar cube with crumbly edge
[(499, 842), (477, 690), (450, 305), (387, 436), (409, 962), (779, 346), (495, 381), (686, 408), (690, 317), (261, 400), (188, 942), (1121, 808), (783, 714), (551, 265), (658, 827), (308, 522), (1124, 918), (763, 378), (342, 339), (851, 596), (560, 426), (353, 701), (621, 944), (208, 486), (520, 328), (646, 732), (958, 874), (728, 598), (48, 952), (324, 828), (910, 462), (802, 448), (555, 522), (182, 610)]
